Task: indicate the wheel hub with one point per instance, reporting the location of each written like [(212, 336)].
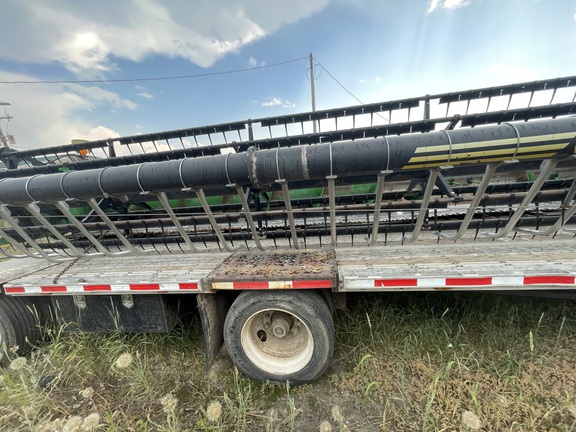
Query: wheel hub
[(280, 325)]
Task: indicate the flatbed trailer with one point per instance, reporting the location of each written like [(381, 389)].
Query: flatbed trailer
[(487, 265), (267, 235)]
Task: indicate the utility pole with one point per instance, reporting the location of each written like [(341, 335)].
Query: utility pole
[(3, 137), (312, 90)]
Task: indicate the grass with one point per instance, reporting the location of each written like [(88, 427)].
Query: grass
[(403, 362)]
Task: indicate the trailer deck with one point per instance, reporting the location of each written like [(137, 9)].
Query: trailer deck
[(482, 265)]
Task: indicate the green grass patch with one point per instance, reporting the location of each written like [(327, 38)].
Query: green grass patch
[(403, 362)]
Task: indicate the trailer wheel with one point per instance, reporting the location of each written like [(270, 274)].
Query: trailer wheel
[(17, 325), (280, 335)]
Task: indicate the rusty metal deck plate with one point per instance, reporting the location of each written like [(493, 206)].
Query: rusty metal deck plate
[(276, 269)]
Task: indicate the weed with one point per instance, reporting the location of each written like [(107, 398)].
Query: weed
[(430, 400), (240, 404), (292, 410), (403, 362)]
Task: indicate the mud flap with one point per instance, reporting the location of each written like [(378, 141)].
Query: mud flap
[(213, 308)]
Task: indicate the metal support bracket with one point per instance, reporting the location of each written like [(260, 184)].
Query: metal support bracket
[(546, 169), (378, 206), (424, 205), (290, 212)]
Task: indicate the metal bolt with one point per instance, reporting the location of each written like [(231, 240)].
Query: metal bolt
[(280, 326)]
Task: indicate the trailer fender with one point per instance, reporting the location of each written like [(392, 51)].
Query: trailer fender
[(213, 309)]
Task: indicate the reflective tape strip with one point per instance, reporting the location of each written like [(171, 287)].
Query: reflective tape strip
[(144, 287), (188, 286), (545, 280), (395, 282), (14, 290), (251, 285), (353, 283), (349, 284), (474, 281), (264, 285), (95, 288), (169, 287), (103, 288), (53, 289), (508, 281), (322, 283)]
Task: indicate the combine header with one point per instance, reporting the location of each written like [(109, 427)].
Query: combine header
[(269, 220)]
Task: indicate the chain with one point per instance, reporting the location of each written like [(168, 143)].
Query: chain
[(69, 266), (64, 270)]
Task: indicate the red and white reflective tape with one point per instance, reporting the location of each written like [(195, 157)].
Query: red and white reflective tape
[(264, 285), (461, 282), (103, 288)]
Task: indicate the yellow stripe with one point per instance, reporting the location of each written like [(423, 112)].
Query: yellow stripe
[(545, 147), (485, 160), (565, 135), (468, 155), (476, 144), (222, 285), (495, 143)]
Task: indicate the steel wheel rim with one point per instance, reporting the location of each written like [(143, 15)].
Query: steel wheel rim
[(270, 353)]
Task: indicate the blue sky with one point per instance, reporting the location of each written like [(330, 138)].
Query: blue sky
[(377, 49)]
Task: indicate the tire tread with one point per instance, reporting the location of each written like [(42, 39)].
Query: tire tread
[(316, 311), (19, 314)]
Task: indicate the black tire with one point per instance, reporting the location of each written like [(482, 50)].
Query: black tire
[(327, 296), (7, 332), (17, 325), (280, 335)]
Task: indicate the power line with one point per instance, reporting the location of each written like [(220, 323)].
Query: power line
[(337, 82), (156, 78), (345, 89)]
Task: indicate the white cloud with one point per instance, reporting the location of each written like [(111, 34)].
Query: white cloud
[(96, 133), (369, 80), (90, 38), (53, 115), (273, 102), (446, 4), (574, 16), (85, 37), (95, 95), (433, 5), (143, 92), (84, 52), (252, 63), (276, 102), (451, 4)]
